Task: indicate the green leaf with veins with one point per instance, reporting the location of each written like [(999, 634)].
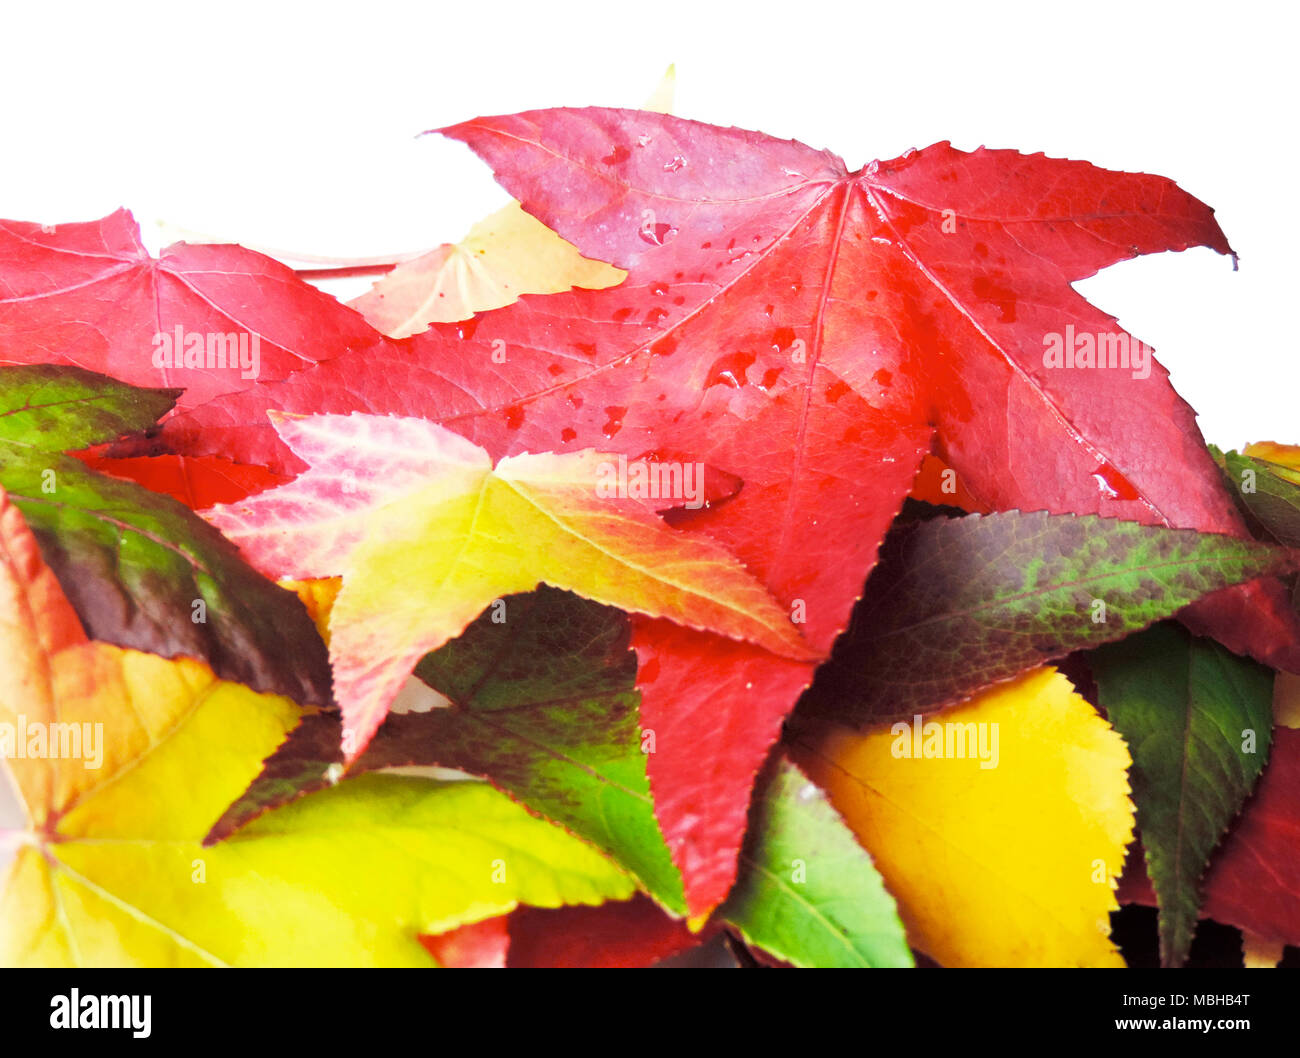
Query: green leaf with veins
[(808, 893), (1268, 493), (1198, 721), (544, 704)]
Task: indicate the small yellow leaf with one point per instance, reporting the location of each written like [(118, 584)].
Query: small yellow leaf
[(1009, 855), (505, 255), (661, 99)]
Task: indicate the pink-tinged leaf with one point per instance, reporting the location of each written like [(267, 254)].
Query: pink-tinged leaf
[(358, 464), (426, 534), (89, 294)]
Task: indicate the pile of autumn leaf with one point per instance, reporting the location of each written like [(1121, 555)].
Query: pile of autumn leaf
[(287, 598)]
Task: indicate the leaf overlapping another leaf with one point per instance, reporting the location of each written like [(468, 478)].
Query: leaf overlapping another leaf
[(1002, 836), (807, 892), (958, 604), (1253, 880), (813, 332), (1198, 721), (142, 570), (1269, 491), (426, 533), (543, 703), (89, 295), (110, 870)]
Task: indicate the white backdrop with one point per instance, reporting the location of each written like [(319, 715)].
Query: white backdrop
[(293, 125)]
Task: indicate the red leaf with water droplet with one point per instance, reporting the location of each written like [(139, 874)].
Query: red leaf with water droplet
[(814, 332)]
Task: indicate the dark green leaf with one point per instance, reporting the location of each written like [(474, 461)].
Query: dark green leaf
[(1198, 721), (958, 604), (142, 570)]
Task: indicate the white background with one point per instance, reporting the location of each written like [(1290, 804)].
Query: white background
[(294, 126)]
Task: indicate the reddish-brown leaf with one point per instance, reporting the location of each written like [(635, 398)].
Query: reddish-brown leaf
[(616, 935)]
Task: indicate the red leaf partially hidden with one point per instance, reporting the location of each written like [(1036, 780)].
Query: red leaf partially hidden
[(616, 935), (90, 294), (196, 481), (707, 747), (938, 483), (478, 946), (1253, 881)]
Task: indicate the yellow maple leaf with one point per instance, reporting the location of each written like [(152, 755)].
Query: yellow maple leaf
[(505, 255), (124, 760), (1006, 857), (429, 534)]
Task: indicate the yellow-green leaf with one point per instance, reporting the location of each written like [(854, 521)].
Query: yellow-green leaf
[(426, 534), (125, 761)]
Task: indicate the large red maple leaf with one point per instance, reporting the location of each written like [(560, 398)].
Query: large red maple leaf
[(813, 331)]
